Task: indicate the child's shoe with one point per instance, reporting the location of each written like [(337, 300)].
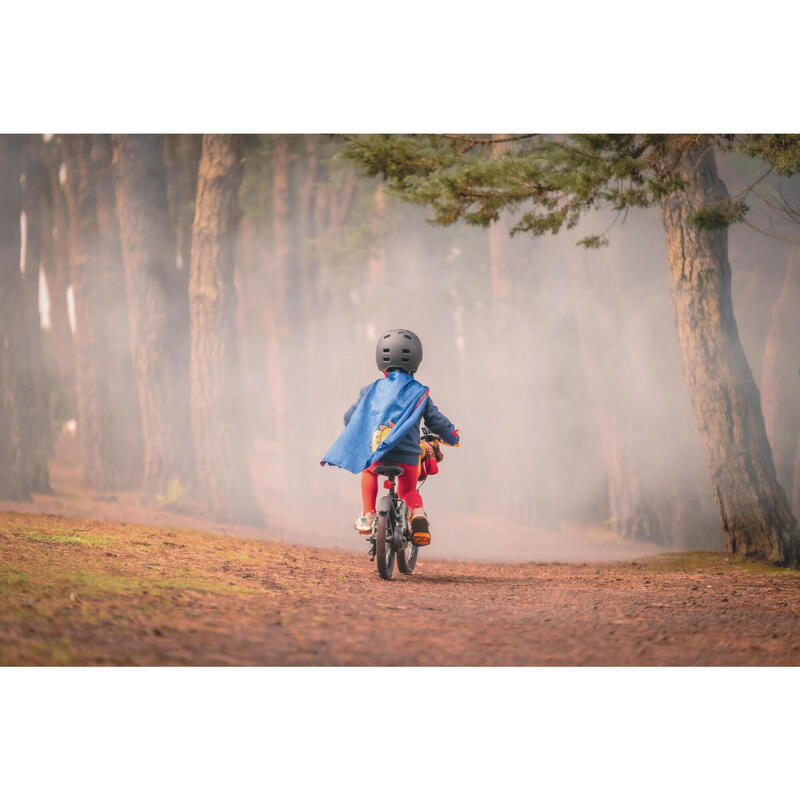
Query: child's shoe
[(365, 522), (420, 532)]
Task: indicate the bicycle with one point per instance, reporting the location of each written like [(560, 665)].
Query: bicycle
[(391, 537)]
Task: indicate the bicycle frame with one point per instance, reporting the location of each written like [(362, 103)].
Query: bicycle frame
[(395, 509)]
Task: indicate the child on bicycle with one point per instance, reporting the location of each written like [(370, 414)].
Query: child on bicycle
[(382, 427)]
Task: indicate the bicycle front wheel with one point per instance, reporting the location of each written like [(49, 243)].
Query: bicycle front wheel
[(384, 551)]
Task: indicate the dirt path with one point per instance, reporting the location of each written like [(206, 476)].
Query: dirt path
[(329, 523), (78, 591)]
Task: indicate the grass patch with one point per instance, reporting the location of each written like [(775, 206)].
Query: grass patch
[(716, 563), (11, 578), (70, 538), (94, 584), (758, 566), (49, 581)]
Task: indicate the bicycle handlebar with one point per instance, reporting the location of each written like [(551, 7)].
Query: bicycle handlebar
[(428, 436)]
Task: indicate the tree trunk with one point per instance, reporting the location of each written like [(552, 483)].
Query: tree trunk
[(286, 284), (498, 237), (106, 461), (56, 267), (755, 513), (122, 380), (280, 230), (796, 480), (779, 380), (181, 158), (33, 205), (377, 244), (223, 473), (18, 475), (606, 367), (150, 272), (496, 355), (253, 310), (305, 252)]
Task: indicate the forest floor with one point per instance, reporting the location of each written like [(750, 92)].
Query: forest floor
[(83, 591), (101, 578)]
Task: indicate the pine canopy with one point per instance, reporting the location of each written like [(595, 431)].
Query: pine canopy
[(549, 182)]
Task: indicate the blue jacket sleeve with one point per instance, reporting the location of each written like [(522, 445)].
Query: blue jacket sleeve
[(350, 411), (438, 422)]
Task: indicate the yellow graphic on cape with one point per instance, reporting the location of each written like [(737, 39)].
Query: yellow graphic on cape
[(379, 435)]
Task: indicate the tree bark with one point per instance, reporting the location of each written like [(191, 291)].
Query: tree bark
[(18, 476), (101, 423), (34, 205), (755, 513), (181, 159), (122, 380), (56, 267), (796, 480), (150, 274), (223, 473), (779, 379)]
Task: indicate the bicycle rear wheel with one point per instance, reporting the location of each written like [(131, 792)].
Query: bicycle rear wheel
[(384, 552), (407, 558)]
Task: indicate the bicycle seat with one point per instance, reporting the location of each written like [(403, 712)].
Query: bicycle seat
[(389, 471)]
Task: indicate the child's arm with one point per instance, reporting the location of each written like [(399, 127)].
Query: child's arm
[(350, 411), (438, 423)]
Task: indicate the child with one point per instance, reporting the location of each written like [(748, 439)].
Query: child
[(382, 427)]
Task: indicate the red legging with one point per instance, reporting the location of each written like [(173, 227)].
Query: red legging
[(406, 486)]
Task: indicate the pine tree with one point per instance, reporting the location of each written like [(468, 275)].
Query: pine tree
[(21, 467), (108, 416), (150, 271), (223, 474)]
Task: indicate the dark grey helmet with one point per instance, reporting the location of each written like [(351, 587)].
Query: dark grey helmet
[(398, 349)]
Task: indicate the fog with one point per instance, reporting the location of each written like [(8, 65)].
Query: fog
[(559, 365), (571, 381)]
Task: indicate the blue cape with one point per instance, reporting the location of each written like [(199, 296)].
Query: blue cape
[(386, 412)]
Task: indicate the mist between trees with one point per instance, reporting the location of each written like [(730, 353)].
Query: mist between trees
[(228, 293)]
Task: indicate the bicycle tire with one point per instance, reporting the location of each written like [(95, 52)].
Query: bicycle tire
[(407, 558), (407, 551), (384, 552)]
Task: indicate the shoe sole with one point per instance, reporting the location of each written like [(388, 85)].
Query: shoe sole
[(419, 532)]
